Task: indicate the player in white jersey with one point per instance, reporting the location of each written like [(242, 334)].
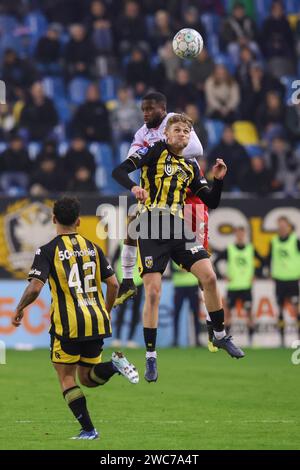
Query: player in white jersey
[(154, 108), (147, 136)]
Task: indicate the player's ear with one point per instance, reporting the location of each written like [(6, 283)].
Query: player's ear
[(77, 223), (54, 219)]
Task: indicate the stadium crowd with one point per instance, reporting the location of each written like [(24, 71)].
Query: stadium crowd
[(76, 70)]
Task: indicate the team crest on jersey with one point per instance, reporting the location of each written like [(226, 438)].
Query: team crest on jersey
[(170, 169), (149, 262)]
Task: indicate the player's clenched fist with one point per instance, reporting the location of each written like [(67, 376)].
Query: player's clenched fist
[(140, 193)]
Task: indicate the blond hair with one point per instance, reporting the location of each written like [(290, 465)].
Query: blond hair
[(184, 118)]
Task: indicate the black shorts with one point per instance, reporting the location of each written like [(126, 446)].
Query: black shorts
[(155, 253), (287, 290), (85, 353), (244, 296)]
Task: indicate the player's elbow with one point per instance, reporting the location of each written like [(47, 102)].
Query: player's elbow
[(113, 284), (35, 287)]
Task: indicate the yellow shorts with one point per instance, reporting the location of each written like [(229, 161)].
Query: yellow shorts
[(85, 353)]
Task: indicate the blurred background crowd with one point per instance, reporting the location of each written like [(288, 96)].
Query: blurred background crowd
[(76, 70)]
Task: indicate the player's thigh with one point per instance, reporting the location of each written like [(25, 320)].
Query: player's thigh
[(204, 272), (153, 256), (90, 353), (64, 352), (188, 253), (90, 356)]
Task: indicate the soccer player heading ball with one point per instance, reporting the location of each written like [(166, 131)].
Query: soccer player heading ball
[(165, 179)]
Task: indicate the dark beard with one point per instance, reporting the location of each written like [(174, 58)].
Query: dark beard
[(155, 122)]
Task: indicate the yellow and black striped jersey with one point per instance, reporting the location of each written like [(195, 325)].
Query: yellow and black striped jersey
[(75, 268), (166, 177)]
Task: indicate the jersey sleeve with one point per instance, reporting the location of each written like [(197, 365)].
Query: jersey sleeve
[(145, 155), (199, 181), (194, 148), (137, 143), (105, 268), (41, 266)]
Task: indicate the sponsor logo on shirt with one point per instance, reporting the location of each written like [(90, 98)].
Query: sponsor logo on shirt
[(34, 272), (67, 254)]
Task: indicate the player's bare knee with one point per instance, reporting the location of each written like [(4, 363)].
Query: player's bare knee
[(83, 376), (209, 281), (153, 292)]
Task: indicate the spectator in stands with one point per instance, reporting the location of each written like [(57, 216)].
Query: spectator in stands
[(91, 119), (126, 118), (222, 95), (49, 150), (181, 92), (292, 122), (99, 24), (16, 73), (130, 29), (237, 27), (15, 165), (284, 166), (254, 90), (215, 7), (166, 69), (48, 51), (193, 112), (235, 157), (270, 115), (83, 181), (138, 68), (277, 42), (243, 70), (162, 31), (79, 53), (38, 117), (200, 69), (191, 19), (257, 179), (48, 178), (78, 156)]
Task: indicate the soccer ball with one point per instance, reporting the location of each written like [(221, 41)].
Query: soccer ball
[(187, 43)]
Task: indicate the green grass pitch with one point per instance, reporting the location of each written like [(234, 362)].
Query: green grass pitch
[(201, 401)]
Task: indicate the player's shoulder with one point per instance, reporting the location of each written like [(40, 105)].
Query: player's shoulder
[(150, 149), (48, 248)]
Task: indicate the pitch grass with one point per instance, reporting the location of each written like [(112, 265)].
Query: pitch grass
[(201, 401)]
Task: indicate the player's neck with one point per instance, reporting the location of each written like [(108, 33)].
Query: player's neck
[(178, 151), (62, 230)]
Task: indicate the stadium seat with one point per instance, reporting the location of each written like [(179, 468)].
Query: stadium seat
[(77, 89), (122, 151), (262, 10), (108, 87), (245, 132), (214, 130), (36, 22), (254, 150), (54, 87), (63, 108), (224, 59)]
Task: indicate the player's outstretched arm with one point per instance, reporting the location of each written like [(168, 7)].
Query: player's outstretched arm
[(30, 294)]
